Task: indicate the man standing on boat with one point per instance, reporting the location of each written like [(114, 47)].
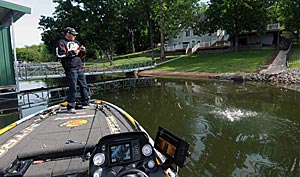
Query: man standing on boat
[(70, 53)]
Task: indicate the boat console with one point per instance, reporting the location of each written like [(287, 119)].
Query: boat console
[(117, 154), (131, 153)]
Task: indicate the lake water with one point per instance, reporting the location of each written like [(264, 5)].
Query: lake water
[(234, 129)]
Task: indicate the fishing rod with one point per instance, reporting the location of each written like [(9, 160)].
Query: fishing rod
[(89, 133)]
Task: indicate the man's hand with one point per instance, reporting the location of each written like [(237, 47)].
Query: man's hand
[(82, 48), (76, 52)]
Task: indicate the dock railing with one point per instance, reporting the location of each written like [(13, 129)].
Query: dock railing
[(55, 70)]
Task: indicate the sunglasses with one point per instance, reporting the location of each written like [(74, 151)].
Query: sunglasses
[(72, 34)]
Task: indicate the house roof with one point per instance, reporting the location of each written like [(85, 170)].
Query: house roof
[(8, 10)]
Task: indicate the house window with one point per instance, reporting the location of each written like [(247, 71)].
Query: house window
[(188, 33)]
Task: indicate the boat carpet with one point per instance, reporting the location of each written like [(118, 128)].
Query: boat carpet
[(60, 134)]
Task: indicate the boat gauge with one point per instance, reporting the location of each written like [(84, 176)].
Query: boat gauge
[(98, 173), (147, 150), (151, 164), (99, 159)]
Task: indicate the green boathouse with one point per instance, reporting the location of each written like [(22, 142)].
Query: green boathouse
[(9, 14)]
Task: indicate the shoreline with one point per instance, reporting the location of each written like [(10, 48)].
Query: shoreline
[(289, 79), (175, 74), (276, 73)]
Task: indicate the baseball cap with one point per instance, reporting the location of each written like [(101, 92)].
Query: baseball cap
[(70, 30)]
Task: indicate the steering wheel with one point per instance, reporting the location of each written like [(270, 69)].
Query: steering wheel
[(132, 171)]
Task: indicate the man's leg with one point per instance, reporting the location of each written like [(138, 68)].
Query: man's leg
[(72, 83), (83, 87)]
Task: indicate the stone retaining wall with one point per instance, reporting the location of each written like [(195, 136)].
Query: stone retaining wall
[(288, 76)]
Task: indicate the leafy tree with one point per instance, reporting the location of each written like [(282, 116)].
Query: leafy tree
[(34, 54), (273, 11), (117, 26), (290, 15), (104, 26), (148, 7), (122, 25), (236, 16), (67, 13), (175, 15)]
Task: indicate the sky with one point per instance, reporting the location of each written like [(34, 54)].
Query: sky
[(26, 28)]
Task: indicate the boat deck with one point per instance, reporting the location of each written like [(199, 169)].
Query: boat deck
[(56, 132)]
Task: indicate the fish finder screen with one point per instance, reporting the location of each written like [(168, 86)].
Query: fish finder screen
[(120, 153), (167, 144), (172, 146)]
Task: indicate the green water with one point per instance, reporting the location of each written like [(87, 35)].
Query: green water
[(238, 130)]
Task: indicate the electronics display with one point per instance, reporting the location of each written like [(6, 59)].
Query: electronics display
[(120, 152), (172, 146)]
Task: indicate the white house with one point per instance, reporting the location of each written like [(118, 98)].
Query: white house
[(188, 41)]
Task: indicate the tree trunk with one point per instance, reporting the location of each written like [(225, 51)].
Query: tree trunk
[(162, 48), (147, 9), (162, 35), (132, 41), (236, 42), (110, 55), (151, 39), (298, 36)]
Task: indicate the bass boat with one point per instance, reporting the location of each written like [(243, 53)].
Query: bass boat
[(100, 140)]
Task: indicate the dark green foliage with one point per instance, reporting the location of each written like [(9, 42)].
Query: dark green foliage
[(105, 27), (117, 26), (34, 54)]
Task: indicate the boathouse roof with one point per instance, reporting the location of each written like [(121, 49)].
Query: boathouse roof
[(11, 12)]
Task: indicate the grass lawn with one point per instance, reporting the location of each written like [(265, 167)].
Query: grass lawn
[(132, 60), (242, 61), (120, 61)]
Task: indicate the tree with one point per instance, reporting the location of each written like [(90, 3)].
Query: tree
[(103, 25), (175, 15), (67, 13), (273, 11), (236, 16), (34, 53), (290, 13), (148, 9), (117, 26)]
